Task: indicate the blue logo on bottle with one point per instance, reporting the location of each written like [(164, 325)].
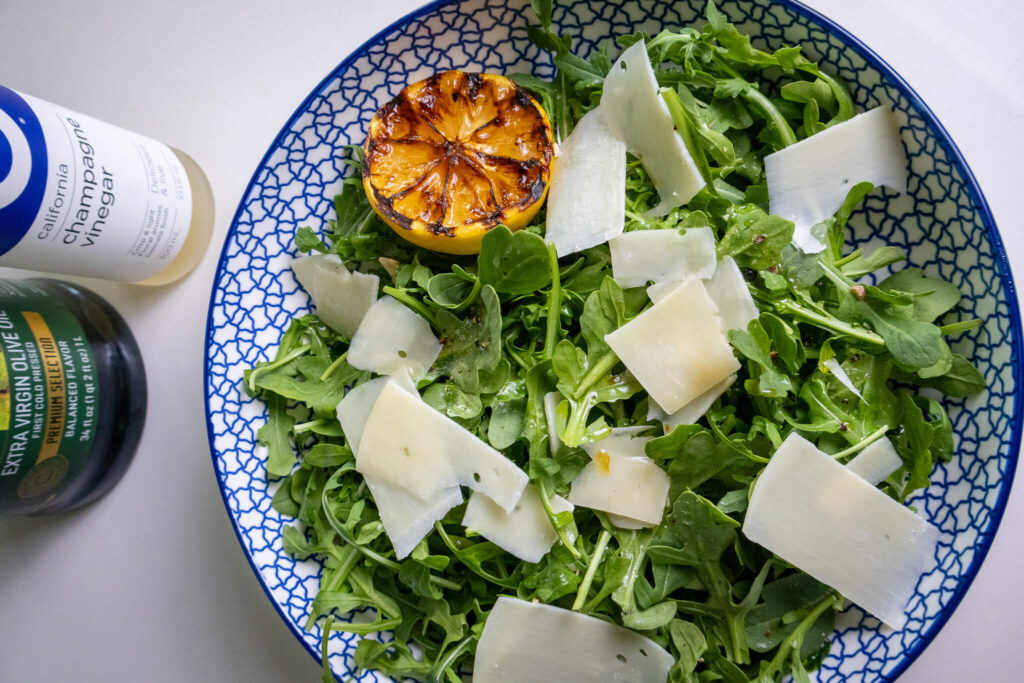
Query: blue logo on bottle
[(23, 168)]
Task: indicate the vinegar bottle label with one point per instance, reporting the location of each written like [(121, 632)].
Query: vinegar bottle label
[(84, 197)]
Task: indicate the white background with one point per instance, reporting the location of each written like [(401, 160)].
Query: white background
[(150, 584)]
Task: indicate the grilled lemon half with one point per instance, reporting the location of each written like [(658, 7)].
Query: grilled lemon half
[(454, 155)]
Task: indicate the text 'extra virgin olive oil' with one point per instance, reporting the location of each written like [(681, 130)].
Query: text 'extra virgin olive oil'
[(72, 396)]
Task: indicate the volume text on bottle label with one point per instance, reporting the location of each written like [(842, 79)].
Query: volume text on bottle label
[(84, 197)]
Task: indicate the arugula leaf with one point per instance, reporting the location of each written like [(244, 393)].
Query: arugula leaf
[(513, 262), (754, 238), (768, 623), (455, 290), (542, 8), (834, 226), (506, 423), (914, 445), (306, 240), (605, 311), (392, 659), (691, 644), (696, 460), (933, 296), (274, 434), (471, 345), (703, 534), (860, 265), (827, 415), (539, 381), (322, 395), (962, 379), (913, 343), (754, 344), (583, 73)]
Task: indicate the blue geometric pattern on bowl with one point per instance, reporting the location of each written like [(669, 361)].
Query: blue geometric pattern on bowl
[(942, 221)]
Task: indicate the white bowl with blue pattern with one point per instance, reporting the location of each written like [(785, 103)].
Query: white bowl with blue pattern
[(943, 222)]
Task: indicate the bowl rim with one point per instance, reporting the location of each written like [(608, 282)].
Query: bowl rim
[(943, 137)]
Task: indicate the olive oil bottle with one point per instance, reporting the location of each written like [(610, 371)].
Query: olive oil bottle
[(72, 396)]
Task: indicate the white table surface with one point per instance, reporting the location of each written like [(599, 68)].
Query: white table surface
[(150, 583)]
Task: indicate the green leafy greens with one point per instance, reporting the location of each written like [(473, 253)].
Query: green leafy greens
[(517, 323)]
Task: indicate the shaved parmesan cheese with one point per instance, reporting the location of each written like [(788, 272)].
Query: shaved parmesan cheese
[(551, 401), (391, 338), (808, 181), (876, 462), (526, 642), (588, 187), (358, 402), (619, 481), (662, 256), (623, 441), (659, 290), (836, 369), (407, 443), (526, 532), (407, 519), (355, 408), (822, 518), (486, 470), (676, 349), (304, 268), (692, 411), (638, 116), (341, 297), (625, 522), (729, 291)]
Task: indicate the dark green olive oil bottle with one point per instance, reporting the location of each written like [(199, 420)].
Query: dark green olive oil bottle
[(72, 397)]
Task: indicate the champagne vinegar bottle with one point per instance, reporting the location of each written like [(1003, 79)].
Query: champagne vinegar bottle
[(83, 197)]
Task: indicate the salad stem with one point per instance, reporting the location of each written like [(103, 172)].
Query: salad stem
[(588, 578), (844, 102), (366, 629), (957, 327), (306, 426), (554, 304), (849, 257), (796, 638), (449, 659), (757, 99), (868, 440), (827, 322), (604, 365), (746, 453), (475, 568), (542, 489), (340, 574), (328, 675), (371, 554), (335, 364), (412, 302), (287, 358)]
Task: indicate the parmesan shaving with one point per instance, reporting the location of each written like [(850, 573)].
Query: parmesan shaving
[(826, 520), (528, 642), (808, 181), (588, 187), (638, 116)]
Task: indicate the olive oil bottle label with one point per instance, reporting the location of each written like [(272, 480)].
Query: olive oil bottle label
[(49, 396), (83, 197)]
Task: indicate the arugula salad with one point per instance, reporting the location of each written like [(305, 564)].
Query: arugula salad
[(665, 429)]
